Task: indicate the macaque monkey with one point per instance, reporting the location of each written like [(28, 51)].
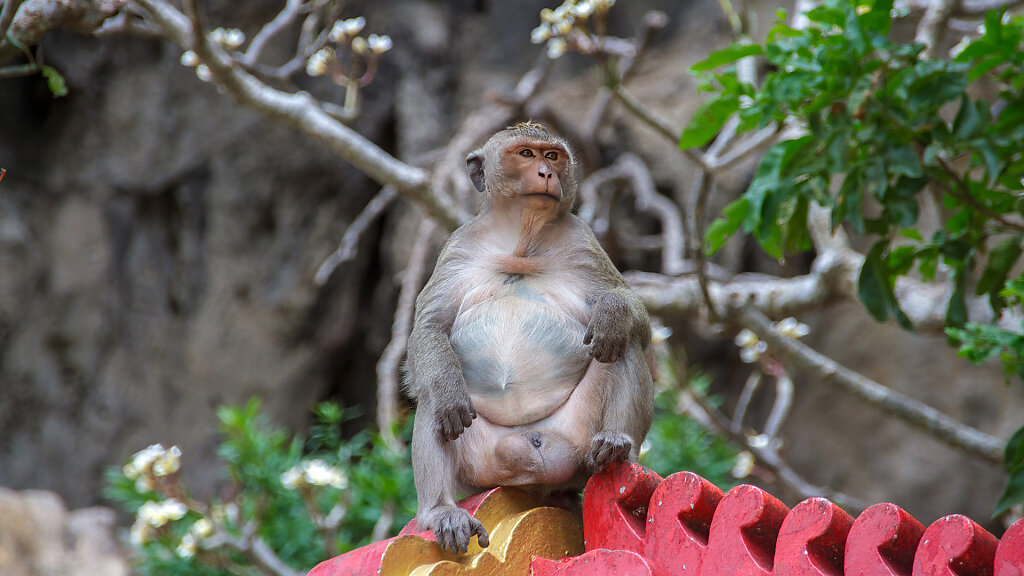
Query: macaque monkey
[(528, 353)]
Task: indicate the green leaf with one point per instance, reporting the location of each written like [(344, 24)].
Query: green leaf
[(727, 56), (723, 227), (54, 81), (874, 287), (708, 120), (968, 120), (956, 309), (1000, 260), (1013, 454), (902, 159), (1013, 493)]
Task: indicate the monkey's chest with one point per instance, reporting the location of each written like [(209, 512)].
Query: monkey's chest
[(521, 351)]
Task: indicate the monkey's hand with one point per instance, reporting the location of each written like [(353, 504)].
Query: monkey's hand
[(608, 447), (609, 329), (453, 528), (454, 409)]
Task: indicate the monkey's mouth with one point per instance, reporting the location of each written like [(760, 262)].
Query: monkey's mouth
[(542, 195)]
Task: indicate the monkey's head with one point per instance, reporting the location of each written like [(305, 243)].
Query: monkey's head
[(525, 163)]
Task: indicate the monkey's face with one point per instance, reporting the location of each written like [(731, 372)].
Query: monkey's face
[(535, 169)]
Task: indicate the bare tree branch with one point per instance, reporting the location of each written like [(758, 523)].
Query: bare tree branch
[(31, 19), (933, 24), (302, 111), (802, 357), (349, 245)]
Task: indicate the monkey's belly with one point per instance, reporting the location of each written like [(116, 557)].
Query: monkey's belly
[(521, 357)]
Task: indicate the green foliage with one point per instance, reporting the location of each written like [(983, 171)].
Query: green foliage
[(304, 519), (677, 442), (883, 127), (54, 81)]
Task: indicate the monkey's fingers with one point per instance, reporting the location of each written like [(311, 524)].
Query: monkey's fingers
[(588, 337), (481, 534)]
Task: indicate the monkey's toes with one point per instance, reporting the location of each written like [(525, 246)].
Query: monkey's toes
[(608, 447)]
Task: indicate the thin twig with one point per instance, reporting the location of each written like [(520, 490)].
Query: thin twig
[(653, 21), (963, 193), (349, 245), (267, 561), (802, 357), (388, 367), (292, 10), (781, 406), (749, 389)]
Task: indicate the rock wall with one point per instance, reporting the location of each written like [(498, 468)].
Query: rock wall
[(40, 537)]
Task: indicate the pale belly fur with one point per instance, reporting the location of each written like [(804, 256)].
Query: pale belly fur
[(522, 354)]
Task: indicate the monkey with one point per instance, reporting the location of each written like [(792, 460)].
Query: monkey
[(528, 353)]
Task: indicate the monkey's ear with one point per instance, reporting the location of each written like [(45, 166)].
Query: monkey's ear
[(475, 168)]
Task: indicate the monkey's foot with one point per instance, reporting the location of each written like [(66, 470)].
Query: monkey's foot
[(608, 447), (453, 528)]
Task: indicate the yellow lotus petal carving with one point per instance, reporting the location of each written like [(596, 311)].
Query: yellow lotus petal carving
[(519, 530)]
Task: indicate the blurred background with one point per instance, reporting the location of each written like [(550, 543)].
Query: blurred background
[(159, 243)]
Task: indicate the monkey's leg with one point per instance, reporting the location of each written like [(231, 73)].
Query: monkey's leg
[(628, 409), (435, 465)]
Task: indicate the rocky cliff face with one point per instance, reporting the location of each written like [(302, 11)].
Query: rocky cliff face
[(39, 537), (158, 245)]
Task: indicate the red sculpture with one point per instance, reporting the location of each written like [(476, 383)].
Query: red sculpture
[(637, 524)]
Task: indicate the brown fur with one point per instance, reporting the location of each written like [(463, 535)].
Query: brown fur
[(527, 356)]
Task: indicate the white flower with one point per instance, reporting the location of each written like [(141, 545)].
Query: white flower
[(156, 514), (562, 11), (564, 26), (203, 73), (343, 29), (547, 15), (230, 37), (233, 37), (603, 5), (540, 34), (744, 465), (556, 47), (746, 338), (139, 534), (749, 354), (189, 58), (314, 472), (759, 441), (792, 328), (660, 334), (144, 484), (583, 9), (142, 460), (320, 473), (187, 548), (317, 64), (379, 44), (167, 463), (292, 477), (202, 528), (359, 45)]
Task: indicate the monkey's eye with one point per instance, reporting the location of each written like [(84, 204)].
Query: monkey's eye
[(551, 155), (526, 153)]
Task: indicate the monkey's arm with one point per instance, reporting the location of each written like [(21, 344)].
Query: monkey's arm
[(434, 370), (618, 315)]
